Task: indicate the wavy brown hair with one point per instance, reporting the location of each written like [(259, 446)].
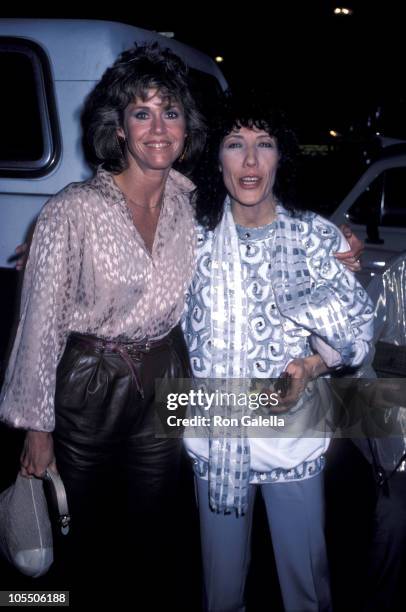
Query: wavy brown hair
[(133, 75)]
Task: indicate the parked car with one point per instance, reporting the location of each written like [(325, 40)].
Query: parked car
[(376, 210)]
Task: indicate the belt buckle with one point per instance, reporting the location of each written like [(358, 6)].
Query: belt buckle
[(147, 347)]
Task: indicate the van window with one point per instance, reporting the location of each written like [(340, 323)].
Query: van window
[(394, 205), (29, 142)]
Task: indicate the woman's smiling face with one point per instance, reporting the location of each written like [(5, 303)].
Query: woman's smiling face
[(154, 130)]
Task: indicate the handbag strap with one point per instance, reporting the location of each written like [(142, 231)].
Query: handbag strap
[(61, 500)]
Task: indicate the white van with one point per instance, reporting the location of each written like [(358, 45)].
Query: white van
[(376, 210), (47, 68)]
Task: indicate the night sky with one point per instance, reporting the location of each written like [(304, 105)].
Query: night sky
[(328, 72)]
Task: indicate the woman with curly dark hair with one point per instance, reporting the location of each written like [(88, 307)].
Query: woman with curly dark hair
[(104, 288), (267, 290)]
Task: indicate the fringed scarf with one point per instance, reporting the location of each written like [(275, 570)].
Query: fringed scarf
[(303, 312)]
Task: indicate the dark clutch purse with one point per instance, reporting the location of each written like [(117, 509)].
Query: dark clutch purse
[(283, 384)]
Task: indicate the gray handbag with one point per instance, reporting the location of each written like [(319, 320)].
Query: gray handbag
[(25, 526)]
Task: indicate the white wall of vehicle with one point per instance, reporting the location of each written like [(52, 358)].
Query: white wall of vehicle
[(376, 257)]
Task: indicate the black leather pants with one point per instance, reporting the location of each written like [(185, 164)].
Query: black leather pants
[(121, 480)]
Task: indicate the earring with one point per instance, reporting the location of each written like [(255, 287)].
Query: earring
[(182, 157)]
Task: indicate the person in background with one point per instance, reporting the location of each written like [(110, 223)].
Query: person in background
[(386, 452)]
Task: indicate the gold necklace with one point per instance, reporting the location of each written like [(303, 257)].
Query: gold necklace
[(142, 205)]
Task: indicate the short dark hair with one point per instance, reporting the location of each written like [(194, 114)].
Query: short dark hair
[(251, 111), (136, 71)]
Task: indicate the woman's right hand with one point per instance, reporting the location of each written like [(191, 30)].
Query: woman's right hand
[(351, 258), (37, 454)]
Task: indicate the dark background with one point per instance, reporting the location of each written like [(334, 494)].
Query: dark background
[(328, 72)]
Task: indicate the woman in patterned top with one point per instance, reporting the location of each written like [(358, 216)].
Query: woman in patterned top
[(267, 289), (104, 287)]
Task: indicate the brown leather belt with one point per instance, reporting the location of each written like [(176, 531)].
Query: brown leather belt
[(131, 352)]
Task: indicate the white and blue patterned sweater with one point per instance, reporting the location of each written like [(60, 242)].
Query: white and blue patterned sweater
[(271, 345)]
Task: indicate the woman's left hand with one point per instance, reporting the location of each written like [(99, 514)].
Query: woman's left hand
[(301, 371), (351, 258)]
